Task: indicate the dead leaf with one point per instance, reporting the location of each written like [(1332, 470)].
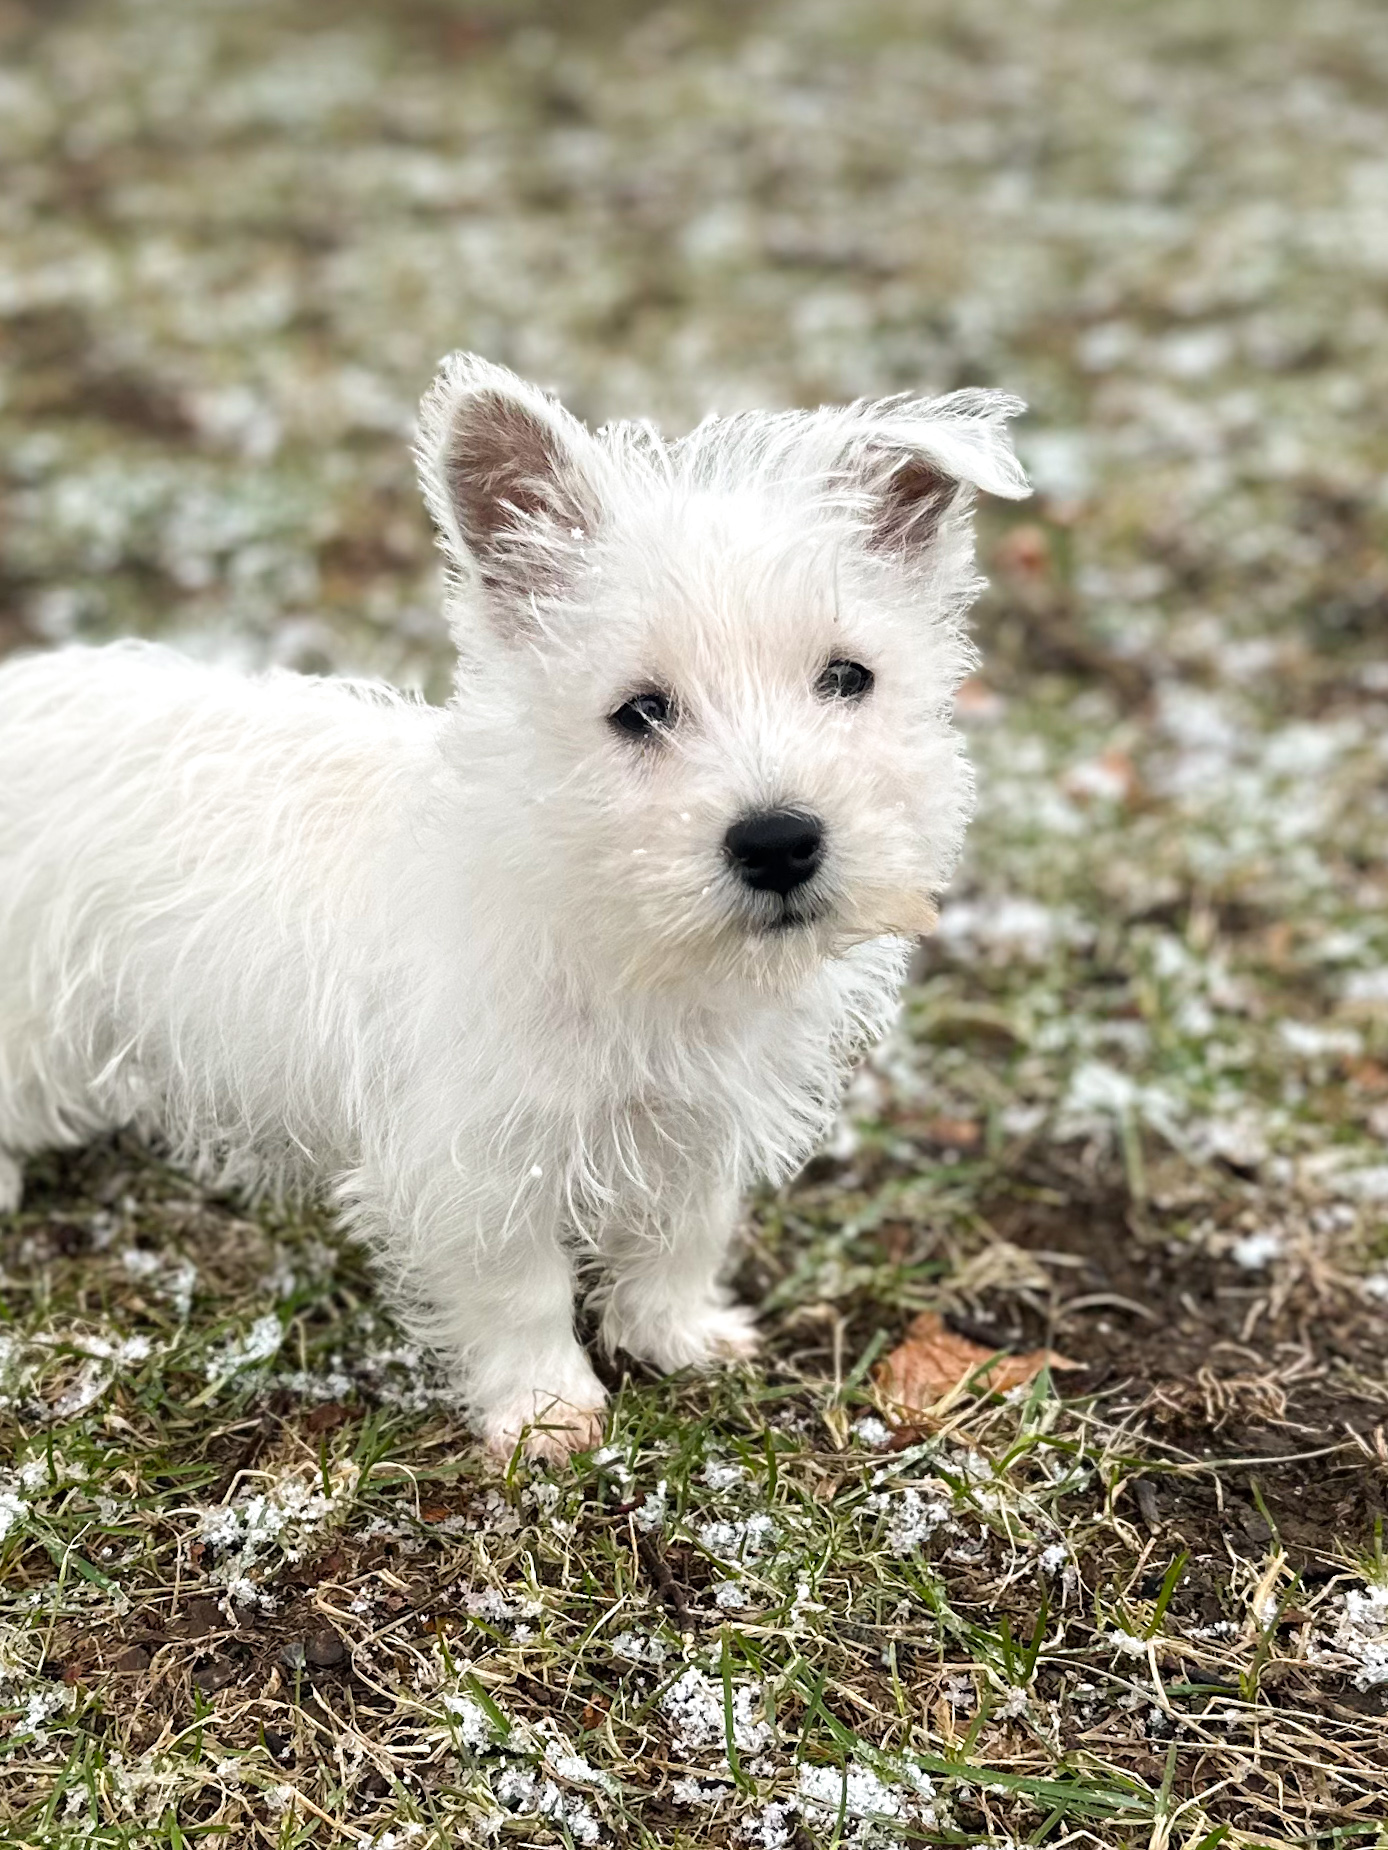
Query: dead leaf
[(974, 699), (933, 1361), (1026, 551), (1112, 776), (328, 1416), (951, 1133)]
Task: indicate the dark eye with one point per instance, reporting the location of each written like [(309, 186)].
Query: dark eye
[(844, 680), (643, 714)]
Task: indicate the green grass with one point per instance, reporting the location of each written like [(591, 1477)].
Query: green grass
[(972, 1620)]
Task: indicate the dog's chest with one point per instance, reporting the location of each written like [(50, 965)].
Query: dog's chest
[(726, 1104)]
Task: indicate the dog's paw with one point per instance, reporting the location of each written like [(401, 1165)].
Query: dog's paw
[(549, 1430), (716, 1333), (11, 1184), (729, 1334)]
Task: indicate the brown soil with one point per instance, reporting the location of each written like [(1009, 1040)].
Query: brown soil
[(1273, 1412)]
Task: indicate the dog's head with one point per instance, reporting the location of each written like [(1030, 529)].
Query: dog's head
[(705, 688)]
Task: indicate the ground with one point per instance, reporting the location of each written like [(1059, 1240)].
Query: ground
[(258, 1586)]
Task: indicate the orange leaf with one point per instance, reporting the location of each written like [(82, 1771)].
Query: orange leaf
[(953, 1133), (1025, 550), (974, 699), (933, 1361)]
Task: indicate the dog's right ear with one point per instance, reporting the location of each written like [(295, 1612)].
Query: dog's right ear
[(512, 481)]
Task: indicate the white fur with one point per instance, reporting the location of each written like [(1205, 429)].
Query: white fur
[(483, 970)]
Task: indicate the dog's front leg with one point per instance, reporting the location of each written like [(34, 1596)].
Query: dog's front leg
[(505, 1308), (526, 1374), (665, 1301)]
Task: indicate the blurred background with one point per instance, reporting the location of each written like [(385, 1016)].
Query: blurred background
[(237, 236)]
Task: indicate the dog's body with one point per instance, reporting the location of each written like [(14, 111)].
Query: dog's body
[(546, 976)]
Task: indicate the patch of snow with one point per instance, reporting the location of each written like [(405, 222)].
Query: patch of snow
[(1311, 1041), (911, 1518), (473, 1723), (260, 1342), (1060, 462), (522, 1791), (639, 1649), (1257, 1250), (280, 1520), (873, 1809), (719, 1474), (13, 1510), (168, 1275), (1100, 1095), (491, 1603), (743, 1540), (1240, 1140), (1007, 927), (610, 1459), (652, 1512), (565, 1762), (41, 1705), (1367, 986), (690, 1791), (693, 1705), (1364, 1184), (1362, 1634)]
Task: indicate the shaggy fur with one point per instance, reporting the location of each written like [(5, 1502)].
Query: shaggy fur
[(486, 971)]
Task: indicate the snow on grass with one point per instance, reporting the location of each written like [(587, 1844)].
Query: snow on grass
[(35, 1370), (640, 1648), (852, 1804), (168, 1275), (1361, 1634), (1256, 1251), (701, 1719), (912, 1515), (260, 1530), (259, 1343), (739, 1539)]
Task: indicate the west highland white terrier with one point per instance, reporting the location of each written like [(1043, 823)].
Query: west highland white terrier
[(536, 983)]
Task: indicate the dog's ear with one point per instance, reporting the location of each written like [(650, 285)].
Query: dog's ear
[(512, 481), (920, 459)]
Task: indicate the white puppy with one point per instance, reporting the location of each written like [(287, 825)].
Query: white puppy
[(539, 981)]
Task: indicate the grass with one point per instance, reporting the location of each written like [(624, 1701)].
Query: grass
[(256, 1585), (286, 1602)]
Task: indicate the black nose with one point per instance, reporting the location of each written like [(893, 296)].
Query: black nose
[(776, 850)]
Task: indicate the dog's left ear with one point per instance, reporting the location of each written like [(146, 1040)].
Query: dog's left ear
[(920, 460), (512, 481)]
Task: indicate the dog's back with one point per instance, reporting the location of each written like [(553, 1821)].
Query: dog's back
[(177, 841)]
